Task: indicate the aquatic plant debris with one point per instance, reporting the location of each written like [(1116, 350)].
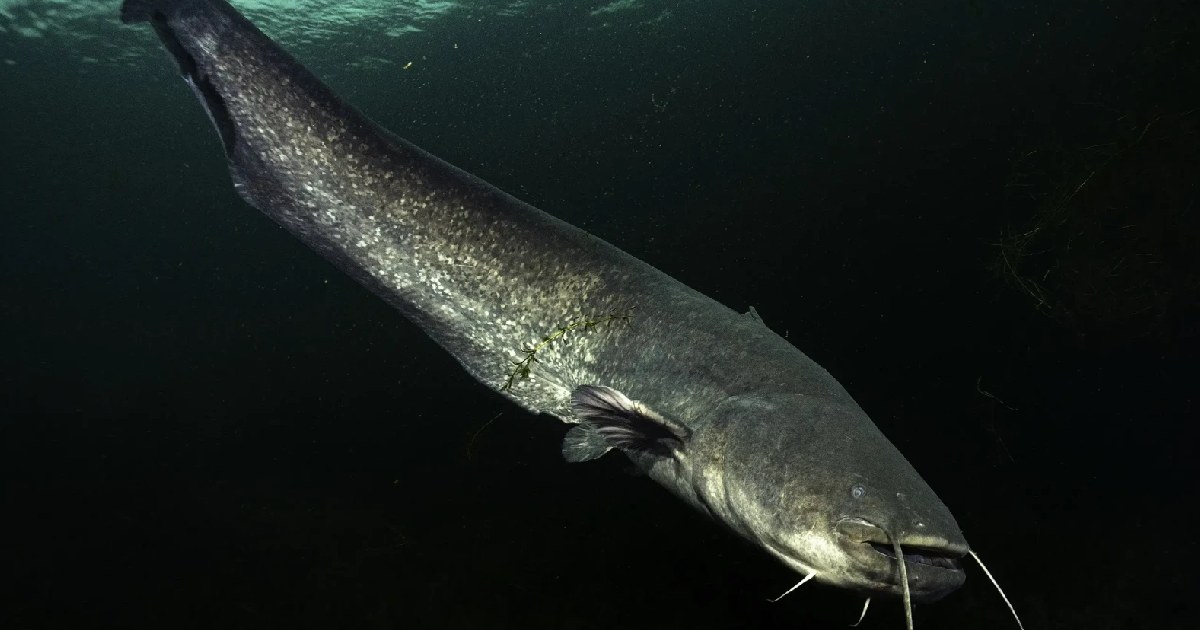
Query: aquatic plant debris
[(521, 371)]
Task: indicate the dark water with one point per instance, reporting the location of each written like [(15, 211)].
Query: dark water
[(981, 218)]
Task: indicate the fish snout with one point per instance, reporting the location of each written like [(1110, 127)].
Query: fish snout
[(931, 558), (914, 540)]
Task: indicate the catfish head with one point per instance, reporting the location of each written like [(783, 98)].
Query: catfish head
[(810, 479)]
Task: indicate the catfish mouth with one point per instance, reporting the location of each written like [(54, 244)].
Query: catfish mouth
[(941, 557), (931, 561)]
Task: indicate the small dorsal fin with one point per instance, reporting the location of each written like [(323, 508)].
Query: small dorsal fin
[(609, 419), (753, 314)]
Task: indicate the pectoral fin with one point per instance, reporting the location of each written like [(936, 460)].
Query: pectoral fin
[(609, 419), (584, 443)]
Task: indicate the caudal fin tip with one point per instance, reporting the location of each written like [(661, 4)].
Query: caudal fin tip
[(133, 11)]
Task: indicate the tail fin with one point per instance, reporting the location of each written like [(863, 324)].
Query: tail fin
[(164, 16), (146, 10), (138, 10)]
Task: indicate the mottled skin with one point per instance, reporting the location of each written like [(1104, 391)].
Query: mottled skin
[(778, 451)]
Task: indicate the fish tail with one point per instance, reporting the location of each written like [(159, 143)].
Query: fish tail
[(133, 11)]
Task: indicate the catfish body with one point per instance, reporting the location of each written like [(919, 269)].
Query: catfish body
[(712, 404)]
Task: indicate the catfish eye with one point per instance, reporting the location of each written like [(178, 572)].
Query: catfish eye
[(858, 492)]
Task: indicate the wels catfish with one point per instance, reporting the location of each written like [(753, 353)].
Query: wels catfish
[(710, 403)]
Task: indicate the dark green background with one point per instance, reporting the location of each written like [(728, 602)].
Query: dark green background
[(203, 425)]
